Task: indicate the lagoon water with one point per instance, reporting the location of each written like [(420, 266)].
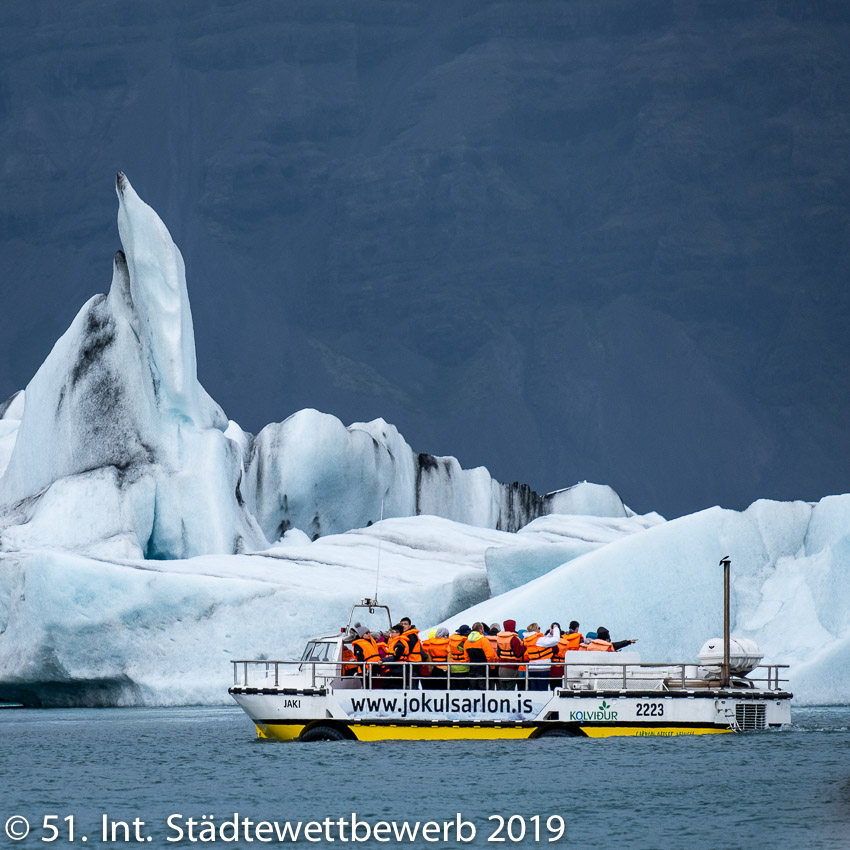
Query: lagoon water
[(787, 789)]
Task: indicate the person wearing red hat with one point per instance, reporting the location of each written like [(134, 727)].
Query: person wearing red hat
[(509, 648)]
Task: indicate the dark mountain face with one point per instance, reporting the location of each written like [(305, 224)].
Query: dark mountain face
[(567, 240)]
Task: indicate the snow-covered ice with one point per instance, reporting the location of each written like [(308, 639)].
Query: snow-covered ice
[(77, 630), (549, 541), (162, 632)]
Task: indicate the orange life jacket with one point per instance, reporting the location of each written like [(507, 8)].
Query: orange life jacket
[(494, 642), (349, 669), (533, 651), (457, 654), (392, 641), (457, 648), (558, 654), (503, 646), (413, 652), (484, 645), (567, 643), (368, 647), (573, 640), (599, 645), (438, 650)]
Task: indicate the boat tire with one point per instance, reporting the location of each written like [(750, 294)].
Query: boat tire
[(322, 733), (556, 733)]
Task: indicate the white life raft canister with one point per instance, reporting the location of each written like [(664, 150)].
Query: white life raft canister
[(744, 655)]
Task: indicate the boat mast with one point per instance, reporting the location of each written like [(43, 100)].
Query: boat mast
[(725, 562), (380, 538)]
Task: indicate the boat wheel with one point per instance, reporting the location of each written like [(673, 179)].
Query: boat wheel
[(322, 733), (555, 733)]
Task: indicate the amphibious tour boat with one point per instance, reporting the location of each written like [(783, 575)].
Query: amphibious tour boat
[(322, 696)]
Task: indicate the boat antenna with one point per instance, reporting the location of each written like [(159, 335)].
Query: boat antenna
[(380, 539)]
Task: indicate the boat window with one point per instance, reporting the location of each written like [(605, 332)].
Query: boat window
[(319, 651)]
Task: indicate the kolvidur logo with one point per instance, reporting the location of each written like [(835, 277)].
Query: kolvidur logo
[(604, 714)]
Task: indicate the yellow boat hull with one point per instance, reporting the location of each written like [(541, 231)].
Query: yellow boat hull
[(433, 732)]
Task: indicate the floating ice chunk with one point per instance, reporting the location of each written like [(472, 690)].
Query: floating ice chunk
[(120, 390), (313, 473), (823, 678), (293, 537), (588, 499)]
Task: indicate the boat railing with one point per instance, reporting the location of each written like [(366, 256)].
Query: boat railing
[(592, 674)]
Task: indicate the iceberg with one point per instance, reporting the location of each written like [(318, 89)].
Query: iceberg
[(119, 450), (790, 589), (313, 473)]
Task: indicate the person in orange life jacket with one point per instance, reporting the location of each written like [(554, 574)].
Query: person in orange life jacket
[(590, 636), (348, 652), (574, 636), (410, 634), (381, 644), (479, 649), (539, 649), (493, 637), (459, 666), (395, 658), (436, 646), (348, 655), (570, 641), (366, 651), (427, 667), (510, 649), (603, 635)]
